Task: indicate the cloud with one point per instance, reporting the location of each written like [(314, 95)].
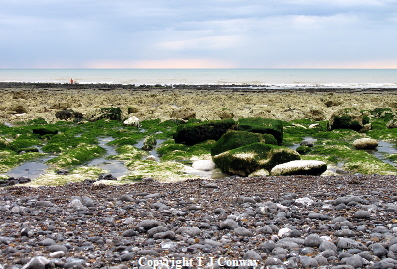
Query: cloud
[(221, 33), (161, 64), (201, 43)]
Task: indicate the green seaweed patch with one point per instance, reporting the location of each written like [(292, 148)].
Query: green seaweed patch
[(296, 130), (10, 159), (160, 129), (169, 150), (162, 171), (381, 132), (128, 152), (392, 157), (357, 161), (77, 156), (339, 135), (78, 174), (63, 142)]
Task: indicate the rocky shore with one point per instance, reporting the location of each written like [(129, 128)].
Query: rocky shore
[(341, 221), (24, 102), (234, 222)]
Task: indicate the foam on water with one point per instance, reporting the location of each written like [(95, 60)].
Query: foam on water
[(278, 78)]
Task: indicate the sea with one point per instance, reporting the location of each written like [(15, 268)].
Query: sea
[(277, 78)]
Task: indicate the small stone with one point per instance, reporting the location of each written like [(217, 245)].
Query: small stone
[(362, 214), (48, 242), (191, 231), (129, 233), (356, 261), (148, 224), (55, 248), (38, 262), (57, 254), (308, 262), (241, 231), (252, 255), (126, 257), (325, 245), (313, 240), (229, 224)]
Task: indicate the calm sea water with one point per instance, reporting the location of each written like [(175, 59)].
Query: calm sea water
[(356, 78)]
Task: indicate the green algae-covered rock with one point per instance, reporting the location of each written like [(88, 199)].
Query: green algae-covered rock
[(263, 126), (45, 131), (347, 118), (193, 133), (236, 139), (247, 159), (111, 113)]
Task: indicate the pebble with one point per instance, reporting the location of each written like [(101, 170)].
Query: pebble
[(281, 222)]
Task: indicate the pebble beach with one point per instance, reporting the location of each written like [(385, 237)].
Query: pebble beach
[(270, 222), (342, 221)]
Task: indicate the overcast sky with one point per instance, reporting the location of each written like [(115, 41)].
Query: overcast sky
[(198, 34)]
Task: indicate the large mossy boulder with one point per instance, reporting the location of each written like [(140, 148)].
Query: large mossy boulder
[(348, 118), (45, 131), (236, 139), (193, 133), (111, 113), (247, 159), (263, 126)]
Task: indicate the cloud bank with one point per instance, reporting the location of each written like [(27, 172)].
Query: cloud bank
[(198, 34)]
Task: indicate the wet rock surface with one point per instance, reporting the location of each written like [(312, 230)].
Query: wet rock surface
[(278, 222)]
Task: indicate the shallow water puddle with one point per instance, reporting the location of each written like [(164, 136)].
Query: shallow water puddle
[(153, 152), (32, 169), (383, 150), (114, 167)]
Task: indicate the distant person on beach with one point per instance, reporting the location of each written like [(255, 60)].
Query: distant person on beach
[(71, 81)]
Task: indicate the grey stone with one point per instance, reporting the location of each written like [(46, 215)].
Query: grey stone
[(242, 231), (252, 255), (44, 204), (308, 262), (38, 262), (356, 261), (313, 240), (347, 243), (164, 235), (48, 242), (228, 224), (268, 246), (87, 201), (378, 249), (127, 257), (273, 261), (148, 224), (126, 198), (55, 248), (319, 216), (156, 230), (129, 233), (328, 253), (191, 231), (338, 219), (362, 214), (327, 245)]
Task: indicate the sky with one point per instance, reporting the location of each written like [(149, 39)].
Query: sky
[(198, 34)]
